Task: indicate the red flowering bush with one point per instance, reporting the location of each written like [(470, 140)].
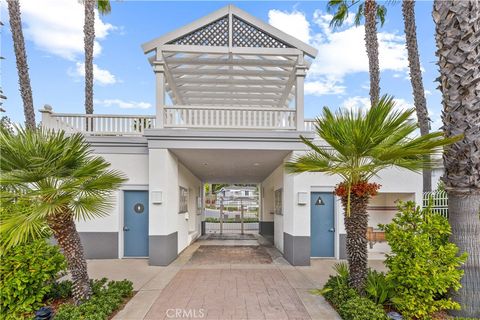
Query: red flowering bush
[(360, 189)]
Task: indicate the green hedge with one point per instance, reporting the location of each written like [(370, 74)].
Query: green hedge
[(360, 308), (230, 220), (27, 273), (107, 297)]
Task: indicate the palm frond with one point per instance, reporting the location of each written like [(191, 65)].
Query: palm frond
[(53, 174), (360, 143)]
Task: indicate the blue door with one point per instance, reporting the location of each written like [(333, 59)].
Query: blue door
[(135, 224), (322, 229)]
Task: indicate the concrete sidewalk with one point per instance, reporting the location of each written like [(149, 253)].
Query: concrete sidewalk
[(223, 289)]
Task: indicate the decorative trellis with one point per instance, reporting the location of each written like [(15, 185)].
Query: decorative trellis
[(246, 35), (216, 34), (438, 200), (213, 34)]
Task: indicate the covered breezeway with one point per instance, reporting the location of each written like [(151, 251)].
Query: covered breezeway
[(231, 214)]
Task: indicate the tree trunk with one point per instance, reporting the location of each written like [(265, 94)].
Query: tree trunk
[(89, 34), (458, 42), (22, 63), (371, 43), (356, 226), (408, 10), (68, 239), (464, 217)]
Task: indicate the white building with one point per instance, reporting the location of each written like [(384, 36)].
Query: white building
[(236, 84)]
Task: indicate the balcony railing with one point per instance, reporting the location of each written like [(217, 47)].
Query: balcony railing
[(176, 117), (227, 117), (100, 124), (310, 125)]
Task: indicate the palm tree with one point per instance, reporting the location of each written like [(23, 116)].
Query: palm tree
[(56, 180), (22, 63), (458, 43), (103, 7), (360, 145), (408, 10), (371, 11)]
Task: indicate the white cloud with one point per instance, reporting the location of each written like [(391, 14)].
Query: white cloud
[(323, 86), (100, 76), (340, 52), (359, 102), (124, 104), (355, 103), (56, 26), (294, 23)]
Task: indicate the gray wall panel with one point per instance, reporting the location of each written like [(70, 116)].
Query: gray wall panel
[(100, 245), (296, 249), (266, 228), (162, 249), (343, 246)]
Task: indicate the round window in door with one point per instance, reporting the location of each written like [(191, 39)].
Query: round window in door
[(138, 208)]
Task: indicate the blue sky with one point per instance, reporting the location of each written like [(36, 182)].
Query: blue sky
[(125, 81)]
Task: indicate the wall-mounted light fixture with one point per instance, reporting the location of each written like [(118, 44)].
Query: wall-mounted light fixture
[(157, 197), (302, 198)]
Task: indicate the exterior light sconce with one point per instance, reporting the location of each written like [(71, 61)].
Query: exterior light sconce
[(157, 197), (302, 198)]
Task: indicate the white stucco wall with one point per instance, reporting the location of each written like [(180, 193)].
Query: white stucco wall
[(188, 223), (273, 182), (163, 167), (399, 183), (135, 168)]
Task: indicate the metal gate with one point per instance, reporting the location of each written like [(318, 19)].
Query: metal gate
[(233, 215), (438, 200)]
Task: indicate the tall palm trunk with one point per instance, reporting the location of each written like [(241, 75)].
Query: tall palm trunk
[(66, 234), (458, 43), (89, 37), (408, 10), (22, 64), (371, 43), (356, 242)]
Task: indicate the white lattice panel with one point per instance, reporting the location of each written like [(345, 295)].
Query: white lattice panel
[(213, 34), (246, 35)]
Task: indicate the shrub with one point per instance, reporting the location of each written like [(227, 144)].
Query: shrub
[(336, 290), (106, 299), (230, 220), (423, 265), (27, 273), (60, 290), (360, 308), (377, 288)]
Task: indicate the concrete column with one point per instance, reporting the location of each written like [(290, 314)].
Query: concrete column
[(47, 116), (159, 69), (296, 222), (162, 220), (299, 93)]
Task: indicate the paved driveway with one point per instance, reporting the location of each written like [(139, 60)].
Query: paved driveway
[(227, 288)]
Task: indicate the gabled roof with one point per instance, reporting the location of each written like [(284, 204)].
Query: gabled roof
[(230, 27), (230, 58)]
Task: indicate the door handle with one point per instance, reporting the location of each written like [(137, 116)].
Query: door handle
[(126, 228), (331, 230)]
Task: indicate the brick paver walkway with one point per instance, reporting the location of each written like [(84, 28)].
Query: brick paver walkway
[(228, 294)]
